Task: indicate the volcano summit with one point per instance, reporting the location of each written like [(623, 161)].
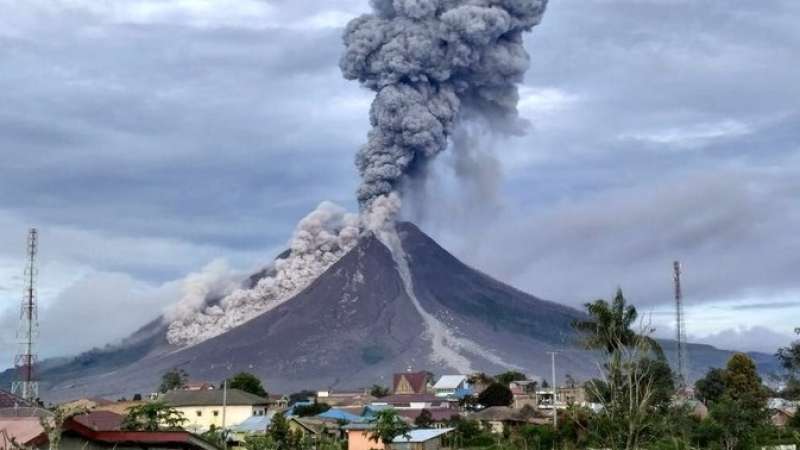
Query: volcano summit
[(355, 325)]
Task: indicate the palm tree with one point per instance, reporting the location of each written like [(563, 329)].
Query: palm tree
[(609, 327)]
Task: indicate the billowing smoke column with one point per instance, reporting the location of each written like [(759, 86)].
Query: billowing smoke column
[(212, 304), (433, 63)]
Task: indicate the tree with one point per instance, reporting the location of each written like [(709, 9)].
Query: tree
[(247, 382), (388, 425), (279, 430), (301, 396), (710, 388), (53, 426), (311, 410), (790, 356), (496, 395), (137, 397), (634, 385), (216, 436), (379, 391), (609, 327), (741, 409), (512, 375), (173, 379), (153, 416), (424, 419)]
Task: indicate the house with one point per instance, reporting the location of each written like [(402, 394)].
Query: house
[(21, 431), (781, 417), (359, 437), (440, 417), (97, 429), (414, 401), (198, 386), (524, 393), (279, 401), (355, 398), (204, 408), (9, 400), (314, 428), (452, 386), (499, 418), (420, 439), (411, 383), (571, 395)]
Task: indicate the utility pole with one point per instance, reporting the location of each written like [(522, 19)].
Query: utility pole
[(25, 386), (224, 408), (555, 389)]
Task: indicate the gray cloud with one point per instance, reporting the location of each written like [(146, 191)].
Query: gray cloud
[(147, 138)]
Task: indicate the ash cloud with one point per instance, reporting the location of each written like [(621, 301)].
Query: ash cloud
[(432, 64)]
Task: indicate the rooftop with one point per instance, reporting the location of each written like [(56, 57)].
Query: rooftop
[(421, 435), (214, 397), (450, 381)]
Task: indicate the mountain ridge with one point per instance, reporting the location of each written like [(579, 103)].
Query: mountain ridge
[(354, 326)]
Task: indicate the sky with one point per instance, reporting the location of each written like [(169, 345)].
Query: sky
[(148, 140)]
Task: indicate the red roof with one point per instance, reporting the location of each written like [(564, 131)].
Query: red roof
[(85, 428), (9, 400), (101, 420), (417, 380)]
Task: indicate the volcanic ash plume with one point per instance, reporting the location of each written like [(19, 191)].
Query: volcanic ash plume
[(319, 240), (433, 63)]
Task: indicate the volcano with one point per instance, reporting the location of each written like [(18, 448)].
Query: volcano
[(364, 318)]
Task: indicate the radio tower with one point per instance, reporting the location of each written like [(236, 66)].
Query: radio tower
[(26, 387), (680, 328)]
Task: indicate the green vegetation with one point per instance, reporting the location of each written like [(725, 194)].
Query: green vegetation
[(153, 416), (173, 379), (388, 425), (247, 382), (506, 378), (311, 410), (496, 395), (379, 391)]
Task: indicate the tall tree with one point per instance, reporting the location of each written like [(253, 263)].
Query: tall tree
[(388, 425), (279, 430), (173, 379), (710, 388), (512, 375), (496, 395), (424, 419), (379, 391), (247, 382), (610, 327)]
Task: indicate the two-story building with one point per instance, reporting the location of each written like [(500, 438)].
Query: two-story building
[(205, 408)]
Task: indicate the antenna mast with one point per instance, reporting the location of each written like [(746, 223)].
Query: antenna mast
[(25, 386), (680, 328)]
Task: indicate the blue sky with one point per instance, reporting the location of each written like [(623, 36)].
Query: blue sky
[(148, 138)]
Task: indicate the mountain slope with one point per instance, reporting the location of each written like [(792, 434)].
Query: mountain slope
[(355, 325)]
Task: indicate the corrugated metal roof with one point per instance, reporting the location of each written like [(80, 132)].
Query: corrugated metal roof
[(421, 435), (338, 414), (450, 381), (253, 424), (236, 397)]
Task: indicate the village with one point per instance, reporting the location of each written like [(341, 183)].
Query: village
[(420, 411)]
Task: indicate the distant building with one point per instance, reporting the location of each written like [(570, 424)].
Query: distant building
[(420, 439), (203, 408), (499, 418), (199, 386), (411, 383), (571, 395), (452, 386)]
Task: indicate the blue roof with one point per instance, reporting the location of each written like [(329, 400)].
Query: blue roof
[(421, 435), (338, 414), (253, 424)]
